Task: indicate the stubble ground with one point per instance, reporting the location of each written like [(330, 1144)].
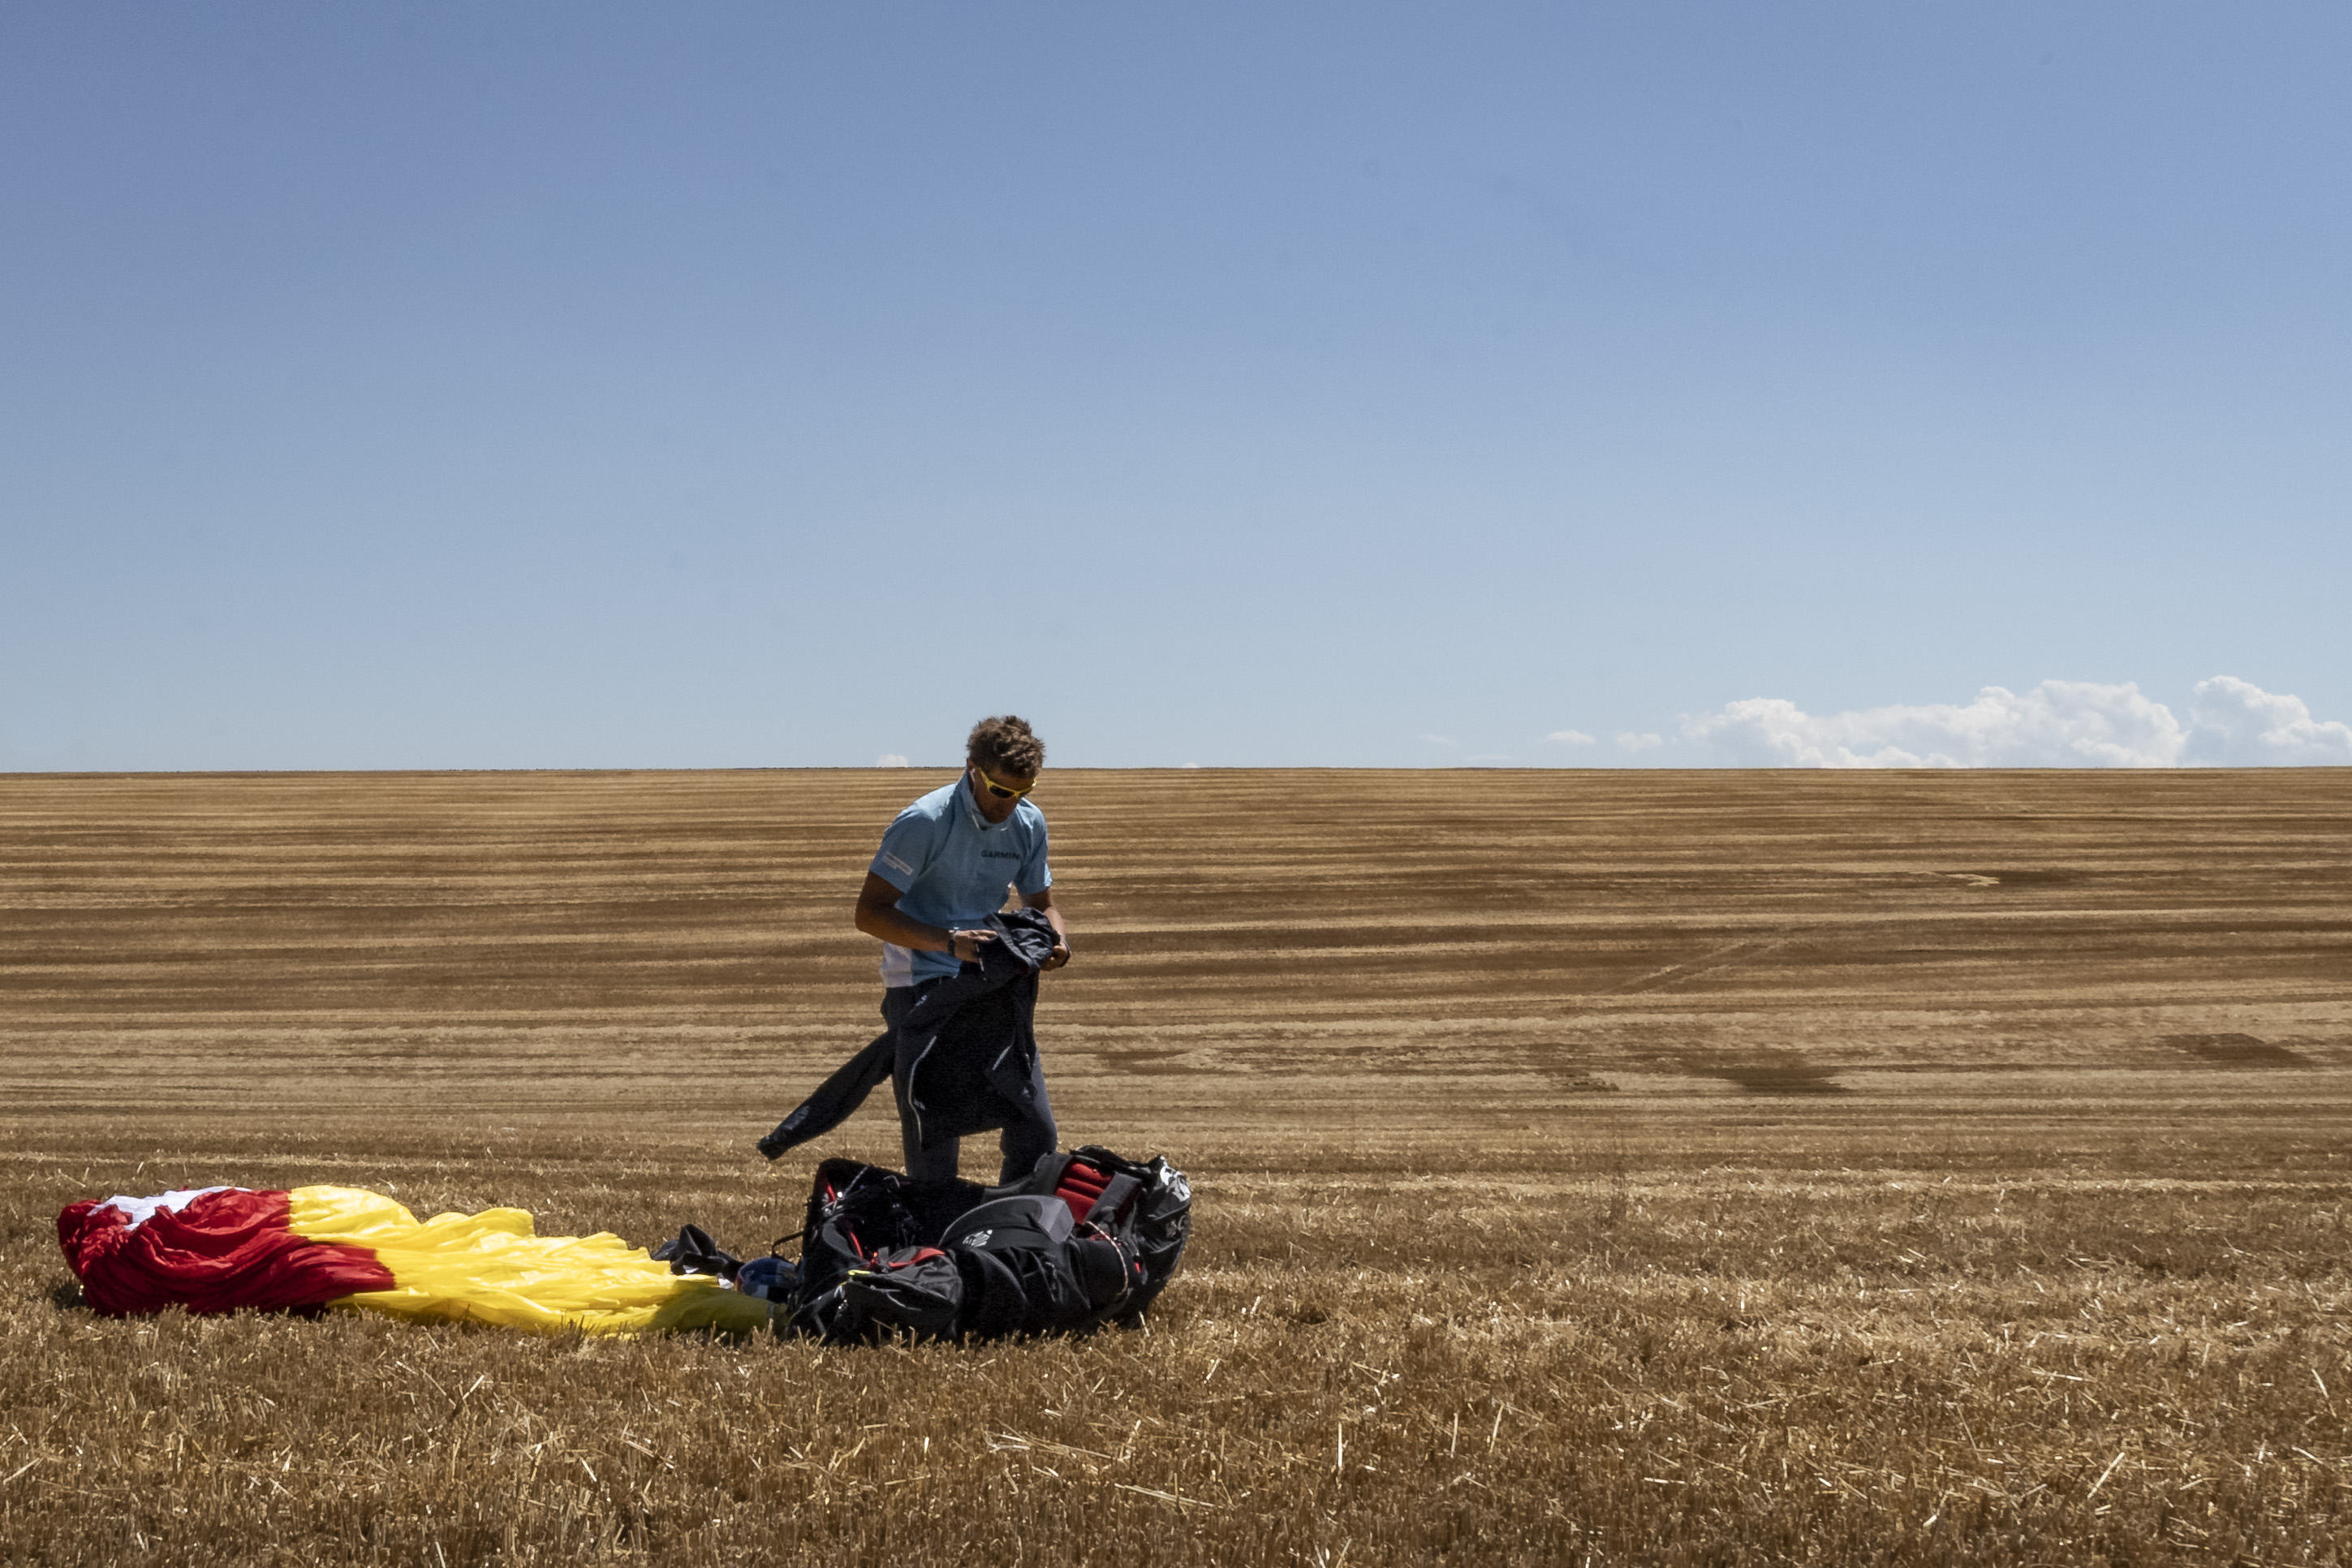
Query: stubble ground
[(1608, 1167)]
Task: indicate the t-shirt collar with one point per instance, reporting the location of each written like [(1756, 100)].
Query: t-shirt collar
[(971, 807)]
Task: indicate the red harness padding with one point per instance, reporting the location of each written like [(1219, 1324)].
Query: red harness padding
[(1080, 1185)]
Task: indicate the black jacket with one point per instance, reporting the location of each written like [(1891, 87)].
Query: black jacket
[(966, 1058)]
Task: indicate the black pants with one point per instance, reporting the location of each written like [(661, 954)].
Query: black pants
[(1024, 1142)]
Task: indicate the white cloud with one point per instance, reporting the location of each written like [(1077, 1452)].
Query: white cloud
[(1635, 742), (1441, 741), (2057, 724), (1570, 737), (2237, 724), (890, 760)]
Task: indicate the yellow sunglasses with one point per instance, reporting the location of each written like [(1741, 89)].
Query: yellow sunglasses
[(998, 790)]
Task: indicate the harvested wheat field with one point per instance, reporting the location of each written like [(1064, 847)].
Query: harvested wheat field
[(1592, 1168)]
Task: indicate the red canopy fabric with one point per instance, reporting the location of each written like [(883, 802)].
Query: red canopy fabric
[(211, 1252)]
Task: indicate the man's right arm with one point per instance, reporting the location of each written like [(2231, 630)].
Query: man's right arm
[(879, 915)]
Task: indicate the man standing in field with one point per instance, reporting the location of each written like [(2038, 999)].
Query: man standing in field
[(941, 871)]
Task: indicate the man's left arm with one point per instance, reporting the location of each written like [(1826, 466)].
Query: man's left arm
[(1042, 901)]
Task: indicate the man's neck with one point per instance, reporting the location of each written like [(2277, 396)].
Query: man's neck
[(972, 805)]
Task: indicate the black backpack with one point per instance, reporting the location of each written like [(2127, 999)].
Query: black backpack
[(1154, 1214), (1085, 1238)]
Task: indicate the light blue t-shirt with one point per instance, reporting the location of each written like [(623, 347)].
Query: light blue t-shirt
[(949, 865)]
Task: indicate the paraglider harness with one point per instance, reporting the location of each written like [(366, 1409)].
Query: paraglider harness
[(1086, 1239)]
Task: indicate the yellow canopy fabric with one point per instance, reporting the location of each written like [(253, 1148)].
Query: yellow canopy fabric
[(494, 1267)]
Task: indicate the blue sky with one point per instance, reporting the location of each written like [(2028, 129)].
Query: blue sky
[(577, 384)]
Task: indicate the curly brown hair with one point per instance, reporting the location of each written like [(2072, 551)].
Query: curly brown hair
[(1006, 746)]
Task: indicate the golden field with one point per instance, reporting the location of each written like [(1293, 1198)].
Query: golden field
[(1608, 1167)]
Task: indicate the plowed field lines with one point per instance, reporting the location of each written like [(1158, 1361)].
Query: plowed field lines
[(1608, 1166)]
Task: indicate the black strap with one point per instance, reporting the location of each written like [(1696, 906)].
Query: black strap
[(694, 1252), (1045, 1178), (1114, 1198)]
